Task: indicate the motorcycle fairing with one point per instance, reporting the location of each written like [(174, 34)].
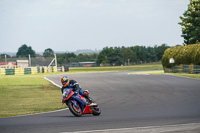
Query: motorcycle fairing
[(79, 100), (87, 110), (70, 93)]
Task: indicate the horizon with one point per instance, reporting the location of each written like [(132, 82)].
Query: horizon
[(79, 51)]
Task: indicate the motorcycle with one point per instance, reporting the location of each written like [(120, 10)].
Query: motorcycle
[(78, 104)]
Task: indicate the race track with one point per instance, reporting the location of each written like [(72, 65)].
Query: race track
[(126, 101)]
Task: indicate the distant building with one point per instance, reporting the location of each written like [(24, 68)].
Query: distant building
[(82, 64), (87, 64), (8, 64), (22, 63)]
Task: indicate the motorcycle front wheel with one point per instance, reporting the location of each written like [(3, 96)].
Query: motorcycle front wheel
[(96, 111), (76, 110)]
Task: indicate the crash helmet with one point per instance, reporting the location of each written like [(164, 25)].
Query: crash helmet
[(65, 81)]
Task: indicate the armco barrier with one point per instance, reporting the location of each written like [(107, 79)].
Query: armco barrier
[(45, 69), (19, 71), (10, 71), (38, 69), (25, 71), (42, 69), (184, 69), (2, 71), (33, 70), (196, 69), (55, 69)]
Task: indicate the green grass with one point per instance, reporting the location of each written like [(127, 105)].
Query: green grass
[(195, 76), (28, 94), (157, 66)]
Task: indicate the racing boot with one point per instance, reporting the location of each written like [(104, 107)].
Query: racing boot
[(90, 101)]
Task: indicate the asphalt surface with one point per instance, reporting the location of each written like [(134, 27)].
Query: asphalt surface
[(126, 101)]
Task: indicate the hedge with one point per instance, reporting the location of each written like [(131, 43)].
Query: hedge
[(185, 55)]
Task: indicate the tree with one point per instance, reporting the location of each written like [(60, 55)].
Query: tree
[(191, 23), (24, 51), (48, 53), (160, 51), (128, 55), (3, 56)]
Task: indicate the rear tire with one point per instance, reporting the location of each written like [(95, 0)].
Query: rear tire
[(75, 110)]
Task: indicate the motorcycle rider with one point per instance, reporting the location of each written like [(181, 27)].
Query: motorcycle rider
[(66, 83)]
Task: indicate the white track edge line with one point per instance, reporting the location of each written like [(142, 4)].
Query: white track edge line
[(134, 128), (53, 82), (34, 114)]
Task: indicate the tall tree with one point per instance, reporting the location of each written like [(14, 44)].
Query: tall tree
[(191, 23), (48, 53), (24, 51)]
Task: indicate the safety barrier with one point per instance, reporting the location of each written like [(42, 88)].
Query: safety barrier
[(195, 69), (2, 71), (25, 71), (10, 71), (19, 71)]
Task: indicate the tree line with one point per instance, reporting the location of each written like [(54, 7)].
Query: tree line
[(116, 56), (113, 56)]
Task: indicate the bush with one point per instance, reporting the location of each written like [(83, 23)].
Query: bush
[(189, 54)]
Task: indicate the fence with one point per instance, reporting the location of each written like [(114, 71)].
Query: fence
[(193, 69)]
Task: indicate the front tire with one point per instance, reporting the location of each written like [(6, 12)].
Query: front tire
[(96, 111), (76, 110)]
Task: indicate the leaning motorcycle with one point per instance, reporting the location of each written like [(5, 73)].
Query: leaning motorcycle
[(78, 104)]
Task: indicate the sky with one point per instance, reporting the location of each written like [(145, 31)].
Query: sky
[(69, 25)]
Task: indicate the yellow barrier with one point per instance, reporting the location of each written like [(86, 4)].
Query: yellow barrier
[(2, 71), (33, 70), (19, 71), (181, 68), (50, 69), (22, 71), (45, 69), (54, 69)]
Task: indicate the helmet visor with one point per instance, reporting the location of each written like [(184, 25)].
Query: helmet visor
[(65, 82)]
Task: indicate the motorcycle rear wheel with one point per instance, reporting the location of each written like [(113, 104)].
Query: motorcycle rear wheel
[(76, 110)]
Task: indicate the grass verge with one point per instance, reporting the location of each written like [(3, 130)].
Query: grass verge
[(195, 76), (157, 66), (20, 95)]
